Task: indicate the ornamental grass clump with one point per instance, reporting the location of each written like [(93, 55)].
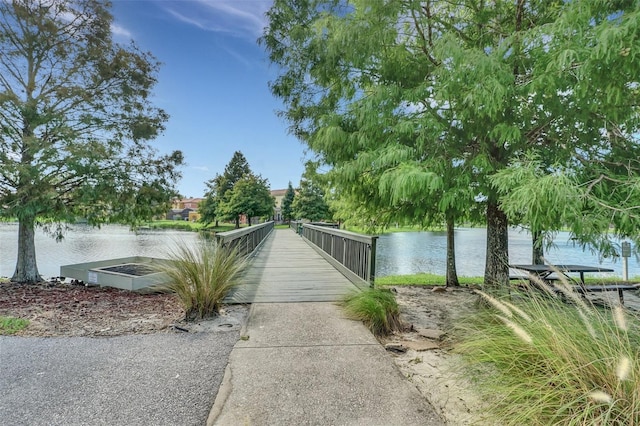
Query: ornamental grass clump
[(377, 308), (201, 275), (548, 360)]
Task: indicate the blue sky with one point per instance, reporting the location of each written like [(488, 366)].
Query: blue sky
[(214, 85)]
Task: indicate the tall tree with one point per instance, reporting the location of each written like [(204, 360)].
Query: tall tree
[(251, 197), (310, 203), (287, 201), (209, 207), (220, 187), (75, 120)]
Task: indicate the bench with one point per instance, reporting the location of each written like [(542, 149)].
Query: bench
[(582, 288), (620, 288)]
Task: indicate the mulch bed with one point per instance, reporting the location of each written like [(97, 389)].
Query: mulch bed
[(64, 309)]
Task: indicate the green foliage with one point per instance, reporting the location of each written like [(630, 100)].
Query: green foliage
[(250, 196), (542, 361), (377, 308), (75, 119), (310, 201), (287, 203), (216, 204), (584, 202), (11, 325), (208, 207), (201, 276), (182, 225)]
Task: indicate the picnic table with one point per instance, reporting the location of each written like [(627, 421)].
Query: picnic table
[(545, 273)]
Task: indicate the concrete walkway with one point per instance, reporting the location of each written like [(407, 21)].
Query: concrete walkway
[(305, 364)]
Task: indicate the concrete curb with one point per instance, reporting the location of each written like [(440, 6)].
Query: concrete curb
[(226, 386), (223, 393)]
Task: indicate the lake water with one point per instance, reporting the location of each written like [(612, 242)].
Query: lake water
[(411, 252), (84, 243), (398, 253)]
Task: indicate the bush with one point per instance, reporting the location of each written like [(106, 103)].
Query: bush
[(377, 308), (201, 276), (544, 361)]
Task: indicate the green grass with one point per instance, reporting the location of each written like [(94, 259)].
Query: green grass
[(377, 308), (608, 280), (424, 279), (541, 361), (282, 226), (11, 325), (201, 275), (184, 225), (433, 279)]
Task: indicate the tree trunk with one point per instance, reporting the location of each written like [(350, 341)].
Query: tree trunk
[(537, 252), (452, 274), (249, 220), (237, 222), (496, 271), (216, 223), (26, 266)]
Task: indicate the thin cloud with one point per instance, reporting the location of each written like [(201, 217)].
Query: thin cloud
[(119, 30), (200, 168), (242, 19), (240, 58)]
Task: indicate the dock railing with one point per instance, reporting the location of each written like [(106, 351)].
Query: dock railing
[(352, 254), (246, 240)]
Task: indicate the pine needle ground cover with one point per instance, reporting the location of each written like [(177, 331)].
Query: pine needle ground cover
[(540, 360)]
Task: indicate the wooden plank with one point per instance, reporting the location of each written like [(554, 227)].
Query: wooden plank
[(287, 269)]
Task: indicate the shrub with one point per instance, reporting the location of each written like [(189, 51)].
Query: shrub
[(201, 275), (377, 308), (544, 361)]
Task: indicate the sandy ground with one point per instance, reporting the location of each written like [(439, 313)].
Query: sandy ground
[(428, 361)]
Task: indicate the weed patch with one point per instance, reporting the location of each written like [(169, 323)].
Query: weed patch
[(11, 325)]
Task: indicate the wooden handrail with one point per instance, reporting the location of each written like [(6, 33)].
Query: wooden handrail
[(245, 239), (351, 253)]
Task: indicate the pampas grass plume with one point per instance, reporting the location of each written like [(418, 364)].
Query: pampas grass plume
[(601, 397), (519, 331), (623, 369)]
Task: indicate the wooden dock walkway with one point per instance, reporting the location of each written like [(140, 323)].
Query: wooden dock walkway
[(287, 269)]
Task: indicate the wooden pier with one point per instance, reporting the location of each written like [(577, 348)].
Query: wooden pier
[(287, 269)]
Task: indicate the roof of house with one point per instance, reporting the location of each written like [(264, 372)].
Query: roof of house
[(278, 192)]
